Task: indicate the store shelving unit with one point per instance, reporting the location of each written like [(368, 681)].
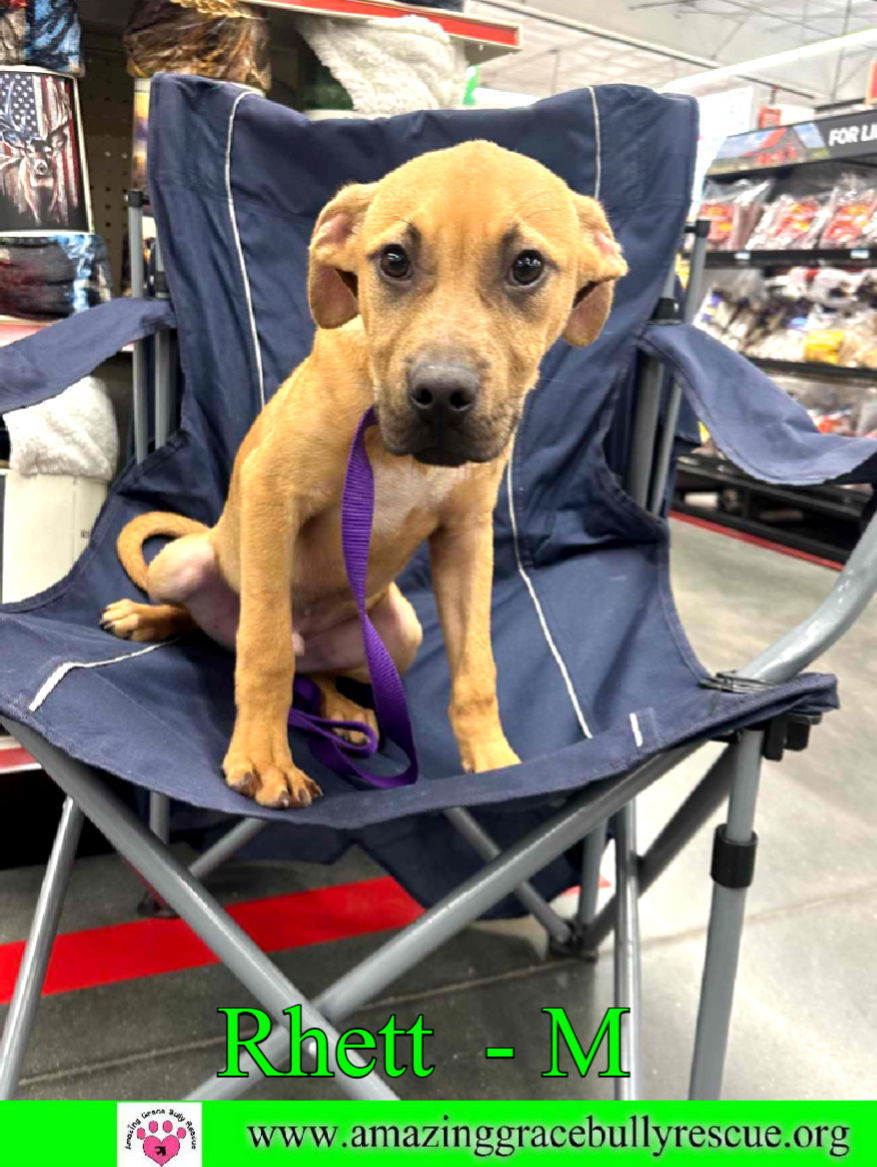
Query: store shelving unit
[(816, 369), (854, 257), (482, 39), (11, 328), (821, 520)]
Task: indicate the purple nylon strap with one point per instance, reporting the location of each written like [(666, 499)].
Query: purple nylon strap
[(391, 707)]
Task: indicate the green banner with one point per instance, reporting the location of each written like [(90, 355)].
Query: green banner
[(226, 1134)]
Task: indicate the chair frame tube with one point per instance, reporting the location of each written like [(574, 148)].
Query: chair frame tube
[(690, 305), (592, 855), (700, 804), (558, 930), (138, 287), (627, 972), (725, 930), (35, 960), (627, 954)]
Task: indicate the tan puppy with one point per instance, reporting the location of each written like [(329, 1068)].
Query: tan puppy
[(436, 292)]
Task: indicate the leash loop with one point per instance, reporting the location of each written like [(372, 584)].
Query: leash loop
[(391, 706)]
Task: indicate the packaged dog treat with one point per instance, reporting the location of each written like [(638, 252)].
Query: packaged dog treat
[(798, 212), (838, 288), (733, 209), (212, 38), (859, 345), (836, 421), (852, 213), (823, 344), (867, 423), (791, 222)]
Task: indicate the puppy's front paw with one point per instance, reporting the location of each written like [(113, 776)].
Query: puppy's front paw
[(267, 774), (487, 755)]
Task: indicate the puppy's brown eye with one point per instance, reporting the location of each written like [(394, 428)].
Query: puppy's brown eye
[(526, 268), (395, 262)]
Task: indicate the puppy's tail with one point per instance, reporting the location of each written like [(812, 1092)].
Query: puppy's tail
[(133, 535)]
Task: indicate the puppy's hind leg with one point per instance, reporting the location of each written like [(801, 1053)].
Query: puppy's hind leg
[(145, 622), (179, 576)]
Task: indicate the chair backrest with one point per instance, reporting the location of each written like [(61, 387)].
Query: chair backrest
[(237, 182)]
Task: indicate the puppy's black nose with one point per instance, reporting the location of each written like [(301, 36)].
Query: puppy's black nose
[(442, 392)]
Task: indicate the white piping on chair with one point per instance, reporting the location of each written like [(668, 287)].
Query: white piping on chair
[(48, 687), (522, 571), (543, 623), (257, 348), (598, 145), (636, 731)]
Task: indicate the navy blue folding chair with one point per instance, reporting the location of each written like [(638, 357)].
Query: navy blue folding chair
[(600, 691)]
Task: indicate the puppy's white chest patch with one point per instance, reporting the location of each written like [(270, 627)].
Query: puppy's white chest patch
[(403, 488)]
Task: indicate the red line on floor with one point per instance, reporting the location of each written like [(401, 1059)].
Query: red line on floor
[(13, 758), (144, 948), (756, 540)]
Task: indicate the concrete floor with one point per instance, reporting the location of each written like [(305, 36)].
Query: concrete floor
[(805, 1024)]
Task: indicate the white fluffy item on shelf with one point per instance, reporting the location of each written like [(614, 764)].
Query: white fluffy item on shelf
[(389, 65), (74, 433)]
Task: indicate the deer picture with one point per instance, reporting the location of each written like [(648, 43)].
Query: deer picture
[(34, 156)]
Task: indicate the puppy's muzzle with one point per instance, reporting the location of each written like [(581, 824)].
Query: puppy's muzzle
[(441, 397)]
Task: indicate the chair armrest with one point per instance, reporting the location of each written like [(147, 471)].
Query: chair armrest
[(770, 436), (752, 421), (41, 366)]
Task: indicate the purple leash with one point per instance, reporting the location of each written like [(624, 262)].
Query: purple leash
[(391, 707)]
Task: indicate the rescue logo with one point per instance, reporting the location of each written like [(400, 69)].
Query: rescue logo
[(159, 1132)]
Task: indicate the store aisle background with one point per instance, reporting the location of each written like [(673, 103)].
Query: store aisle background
[(805, 1022)]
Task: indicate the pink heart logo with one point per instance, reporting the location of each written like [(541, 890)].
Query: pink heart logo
[(161, 1150)]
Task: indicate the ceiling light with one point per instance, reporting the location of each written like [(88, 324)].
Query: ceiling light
[(837, 44)]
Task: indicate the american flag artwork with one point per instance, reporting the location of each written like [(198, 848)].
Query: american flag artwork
[(41, 179)]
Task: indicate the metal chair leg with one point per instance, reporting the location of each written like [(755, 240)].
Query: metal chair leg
[(159, 816), (592, 856), (726, 925), (223, 849), (32, 972), (707, 797), (160, 825), (627, 951), (559, 932)]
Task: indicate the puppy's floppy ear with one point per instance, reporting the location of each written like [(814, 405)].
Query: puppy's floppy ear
[(332, 266), (600, 265)]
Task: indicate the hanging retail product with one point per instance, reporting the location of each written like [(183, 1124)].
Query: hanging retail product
[(43, 178), (733, 209), (51, 276), (211, 38), (382, 67), (44, 33)]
